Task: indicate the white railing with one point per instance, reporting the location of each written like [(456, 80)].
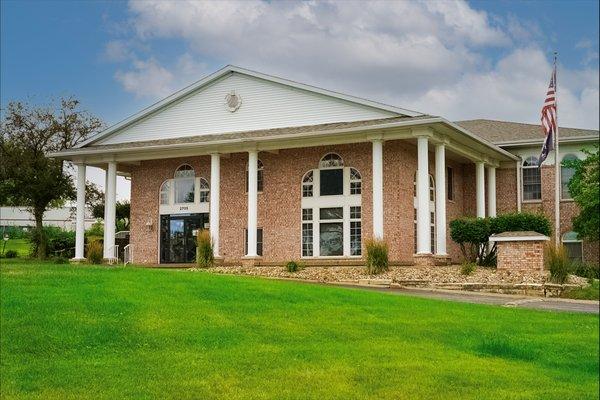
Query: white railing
[(114, 258), (127, 254)]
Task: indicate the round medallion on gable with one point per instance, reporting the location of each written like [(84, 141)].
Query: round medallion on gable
[(233, 101)]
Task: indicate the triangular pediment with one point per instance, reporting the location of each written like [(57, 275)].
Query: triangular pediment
[(235, 101)]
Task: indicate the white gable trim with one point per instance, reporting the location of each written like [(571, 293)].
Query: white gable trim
[(229, 70)]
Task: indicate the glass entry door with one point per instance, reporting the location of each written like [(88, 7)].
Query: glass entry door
[(177, 237)]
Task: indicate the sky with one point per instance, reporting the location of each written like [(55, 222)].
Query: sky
[(457, 59)]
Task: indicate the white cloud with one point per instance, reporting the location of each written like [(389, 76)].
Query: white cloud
[(429, 56)]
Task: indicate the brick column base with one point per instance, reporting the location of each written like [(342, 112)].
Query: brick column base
[(250, 261), (424, 260)]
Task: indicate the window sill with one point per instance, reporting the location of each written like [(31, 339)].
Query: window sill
[(567, 200), (532, 201)]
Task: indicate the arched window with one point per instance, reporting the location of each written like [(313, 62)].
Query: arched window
[(259, 176), (566, 173), (307, 184), (331, 160), (573, 246), (184, 184), (431, 211), (532, 179), (165, 188), (355, 182), (204, 191), (331, 209)]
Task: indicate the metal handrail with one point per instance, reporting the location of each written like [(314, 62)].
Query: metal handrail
[(115, 254), (127, 253)]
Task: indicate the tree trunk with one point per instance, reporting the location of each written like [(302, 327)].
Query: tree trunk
[(39, 232)]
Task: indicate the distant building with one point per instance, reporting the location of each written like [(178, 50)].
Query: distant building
[(63, 217)]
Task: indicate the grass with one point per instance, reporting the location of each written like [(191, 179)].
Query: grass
[(21, 246), (590, 292), (92, 332)]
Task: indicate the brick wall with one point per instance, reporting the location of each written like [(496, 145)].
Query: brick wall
[(279, 205), (521, 255)]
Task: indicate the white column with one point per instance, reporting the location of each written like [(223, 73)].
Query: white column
[(491, 178), (80, 222), (480, 188), (423, 223), (110, 210), (215, 183), (105, 238), (378, 189), (440, 199), (252, 201)]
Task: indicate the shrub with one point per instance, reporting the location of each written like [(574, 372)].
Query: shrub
[(15, 232), (204, 252), (293, 266), (95, 231), (377, 257), (586, 270), (557, 262), (11, 254), (57, 240), (468, 268), (516, 222), (472, 234), (94, 252)]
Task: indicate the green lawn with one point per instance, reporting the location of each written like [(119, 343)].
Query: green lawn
[(100, 332), (21, 246), (590, 292)]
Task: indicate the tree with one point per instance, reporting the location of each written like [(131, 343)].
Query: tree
[(584, 188), (122, 213), (28, 178)]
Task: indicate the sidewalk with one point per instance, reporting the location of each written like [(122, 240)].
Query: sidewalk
[(506, 300)]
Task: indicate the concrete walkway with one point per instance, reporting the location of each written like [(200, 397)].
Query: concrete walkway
[(506, 300)]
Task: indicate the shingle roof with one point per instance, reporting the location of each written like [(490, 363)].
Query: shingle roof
[(499, 132), (255, 134)]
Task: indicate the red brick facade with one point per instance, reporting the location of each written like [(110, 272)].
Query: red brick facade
[(279, 204), (521, 255)]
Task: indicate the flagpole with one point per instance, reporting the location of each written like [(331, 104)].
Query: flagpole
[(557, 186)]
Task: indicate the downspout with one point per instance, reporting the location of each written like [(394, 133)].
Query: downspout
[(519, 185)]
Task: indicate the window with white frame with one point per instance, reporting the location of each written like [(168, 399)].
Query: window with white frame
[(566, 173), (184, 184), (204, 191), (431, 212), (573, 245), (331, 209), (259, 176), (532, 179), (307, 232), (355, 182), (355, 231), (307, 184), (165, 191)]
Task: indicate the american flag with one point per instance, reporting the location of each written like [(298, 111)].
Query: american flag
[(549, 117)]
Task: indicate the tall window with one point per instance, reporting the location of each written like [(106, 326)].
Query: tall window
[(307, 232), (431, 212), (355, 182), (450, 183), (573, 246), (566, 174), (331, 174), (307, 184), (259, 241), (165, 189), (204, 191), (184, 184), (331, 209), (259, 176), (532, 179)]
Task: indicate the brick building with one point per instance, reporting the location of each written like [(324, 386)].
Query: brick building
[(278, 170)]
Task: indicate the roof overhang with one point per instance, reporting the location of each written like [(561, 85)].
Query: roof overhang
[(539, 142), (440, 130)]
